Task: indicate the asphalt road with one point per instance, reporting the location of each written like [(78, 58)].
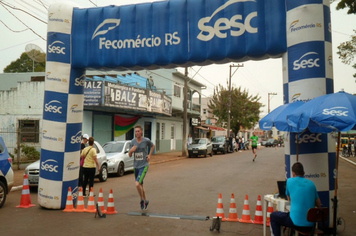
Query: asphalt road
[(184, 189)]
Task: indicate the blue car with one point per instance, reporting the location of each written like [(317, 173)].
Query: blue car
[(6, 173)]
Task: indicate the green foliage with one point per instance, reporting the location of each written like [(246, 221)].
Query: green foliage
[(30, 152), (350, 4), (245, 108), (25, 64), (347, 51)]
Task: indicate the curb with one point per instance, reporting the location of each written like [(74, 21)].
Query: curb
[(16, 188), (163, 161), (348, 160)]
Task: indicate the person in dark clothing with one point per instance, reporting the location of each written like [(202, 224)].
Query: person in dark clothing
[(83, 145)]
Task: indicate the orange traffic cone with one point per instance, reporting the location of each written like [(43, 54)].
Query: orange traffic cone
[(110, 206), (25, 197), (101, 201), (258, 212), (91, 204), (269, 211), (220, 209), (80, 202), (69, 203), (232, 211), (246, 217)]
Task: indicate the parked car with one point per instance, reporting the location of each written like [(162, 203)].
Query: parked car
[(271, 142), (33, 170), (200, 146), (117, 153), (6, 172), (263, 143), (220, 144)]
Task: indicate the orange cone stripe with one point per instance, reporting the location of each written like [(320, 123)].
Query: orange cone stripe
[(91, 205), (25, 195)]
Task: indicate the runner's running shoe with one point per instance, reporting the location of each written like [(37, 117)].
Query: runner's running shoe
[(142, 203), (146, 204)]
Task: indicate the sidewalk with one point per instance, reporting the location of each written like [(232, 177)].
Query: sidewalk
[(155, 159)]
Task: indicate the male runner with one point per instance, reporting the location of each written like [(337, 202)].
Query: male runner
[(254, 140), (139, 146)]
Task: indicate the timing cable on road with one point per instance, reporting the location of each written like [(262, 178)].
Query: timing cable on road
[(168, 216)]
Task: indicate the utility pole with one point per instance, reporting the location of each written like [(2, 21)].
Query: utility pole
[(185, 113), (270, 100), (229, 104), (269, 94)]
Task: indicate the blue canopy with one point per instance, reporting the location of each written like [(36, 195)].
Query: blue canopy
[(330, 112), (278, 117)]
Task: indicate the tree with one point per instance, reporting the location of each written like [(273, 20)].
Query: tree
[(25, 64), (245, 108), (347, 51), (351, 4)]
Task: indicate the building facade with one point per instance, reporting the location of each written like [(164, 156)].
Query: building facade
[(153, 99)]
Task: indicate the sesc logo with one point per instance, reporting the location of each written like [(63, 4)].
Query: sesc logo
[(335, 111), (76, 138), (303, 62), (236, 24), (100, 31), (50, 165), (308, 138), (54, 106), (265, 126), (80, 81), (52, 48)]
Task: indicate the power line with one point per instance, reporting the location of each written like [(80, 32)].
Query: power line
[(15, 31), (41, 3), (93, 3), (22, 22), (15, 8)]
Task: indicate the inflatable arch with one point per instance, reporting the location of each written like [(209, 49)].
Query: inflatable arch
[(180, 33)]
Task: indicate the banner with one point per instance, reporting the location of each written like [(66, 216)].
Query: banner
[(126, 97), (123, 124), (180, 32)]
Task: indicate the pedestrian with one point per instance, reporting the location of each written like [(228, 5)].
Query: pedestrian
[(90, 162), (349, 147), (254, 140), (190, 140), (139, 146), (302, 194), (231, 144), (243, 143), (83, 145)]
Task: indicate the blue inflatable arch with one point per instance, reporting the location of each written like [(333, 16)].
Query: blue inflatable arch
[(170, 34)]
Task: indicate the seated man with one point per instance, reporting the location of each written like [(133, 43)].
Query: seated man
[(302, 195)]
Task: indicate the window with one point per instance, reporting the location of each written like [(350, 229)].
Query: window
[(163, 130), (177, 90), (172, 131), (29, 131)]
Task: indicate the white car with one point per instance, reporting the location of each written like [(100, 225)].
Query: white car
[(6, 172), (117, 153), (33, 170), (200, 146)]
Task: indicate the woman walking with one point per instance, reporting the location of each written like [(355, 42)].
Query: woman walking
[(90, 162)]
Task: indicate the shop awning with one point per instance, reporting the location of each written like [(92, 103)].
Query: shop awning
[(202, 128), (213, 127)]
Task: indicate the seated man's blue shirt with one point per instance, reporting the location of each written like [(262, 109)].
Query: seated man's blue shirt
[(303, 194)]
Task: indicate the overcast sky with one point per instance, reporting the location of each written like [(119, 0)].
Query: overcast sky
[(258, 77)]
